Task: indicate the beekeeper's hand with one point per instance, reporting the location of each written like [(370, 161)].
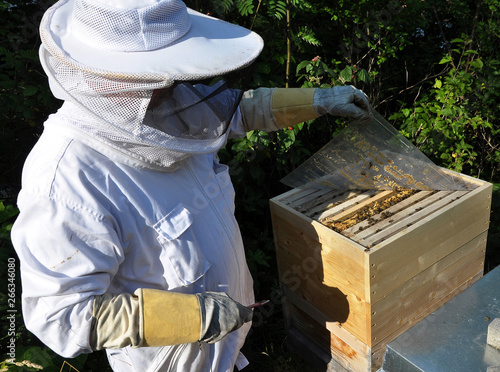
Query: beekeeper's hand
[(270, 109), (346, 101), (220, 315), (152, 317)]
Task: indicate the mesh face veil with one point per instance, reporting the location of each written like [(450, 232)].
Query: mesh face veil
[(140, 113), (120, 113)]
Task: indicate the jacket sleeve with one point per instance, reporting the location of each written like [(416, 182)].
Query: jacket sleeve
[(68, 256)]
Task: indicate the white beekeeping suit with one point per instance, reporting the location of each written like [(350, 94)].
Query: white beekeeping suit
[(126, 234)]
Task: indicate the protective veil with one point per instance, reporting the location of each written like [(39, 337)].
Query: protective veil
[(121, 114)]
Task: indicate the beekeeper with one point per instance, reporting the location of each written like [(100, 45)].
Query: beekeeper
[(126, 234)]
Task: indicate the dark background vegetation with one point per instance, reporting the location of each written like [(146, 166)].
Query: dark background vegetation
[(430, 67)]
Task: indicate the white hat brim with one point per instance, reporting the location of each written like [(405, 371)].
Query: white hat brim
[(211, 47)]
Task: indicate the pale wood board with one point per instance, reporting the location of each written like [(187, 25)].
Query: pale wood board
[(378, 349), (351, 210), (349, 351), (307, 196), (295, 232), (308, 257), (349, 203), (293, 196), (321, 279), (411, 216), (399, 215), (308, 207), (339, 305), (328, 204), (395, 311), (428, 241), (288, 195), (361, 226), (315, 355)]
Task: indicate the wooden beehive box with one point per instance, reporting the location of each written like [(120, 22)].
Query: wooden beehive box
[(347, 294)]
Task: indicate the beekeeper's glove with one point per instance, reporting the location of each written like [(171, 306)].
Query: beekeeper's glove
[(220, 315), (152, 317), (345, 101), (270, 109)]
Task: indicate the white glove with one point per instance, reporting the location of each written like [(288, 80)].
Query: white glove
[(220, 315), (344, 101)]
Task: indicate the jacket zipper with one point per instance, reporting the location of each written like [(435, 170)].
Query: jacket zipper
[(221, 220)]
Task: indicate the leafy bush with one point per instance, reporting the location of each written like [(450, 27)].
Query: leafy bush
[(24, 95), (452, 122)]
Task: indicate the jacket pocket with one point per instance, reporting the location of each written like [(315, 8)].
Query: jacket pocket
[(180, 248)]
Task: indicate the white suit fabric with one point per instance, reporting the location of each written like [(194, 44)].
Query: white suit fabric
[(92, 222)]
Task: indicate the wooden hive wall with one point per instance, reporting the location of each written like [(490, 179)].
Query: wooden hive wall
[(370, 282)]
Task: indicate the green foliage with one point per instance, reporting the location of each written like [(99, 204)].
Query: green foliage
[(318, 74), (452, 122), (277, 8), (24, 97), (306, 34), (7, 212)]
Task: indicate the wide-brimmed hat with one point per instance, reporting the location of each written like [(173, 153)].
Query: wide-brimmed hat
[(144, 38)]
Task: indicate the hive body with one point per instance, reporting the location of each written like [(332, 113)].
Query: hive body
[(348, 293)]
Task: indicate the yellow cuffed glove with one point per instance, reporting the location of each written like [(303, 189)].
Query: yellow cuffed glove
[(169, 318), (152, 317), (270, 109)]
